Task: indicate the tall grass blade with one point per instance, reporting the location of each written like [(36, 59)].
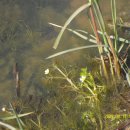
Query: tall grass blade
[(76, 32), (71, 50), (100, 21), (14, 117), (17, 118), (7, 126), (71, 30), (99, 16), (99, 42), (114, 19), (83, 7), (85, 32)]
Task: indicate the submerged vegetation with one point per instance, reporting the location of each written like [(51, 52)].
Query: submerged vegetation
[(80, 98)]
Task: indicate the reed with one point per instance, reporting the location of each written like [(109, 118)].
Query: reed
[(109, 47), (112, 49), (97, 38)]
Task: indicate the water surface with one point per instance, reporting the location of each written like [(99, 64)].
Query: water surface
[(26, 38)]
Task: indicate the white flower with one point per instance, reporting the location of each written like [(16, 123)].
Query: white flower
[(124, 110), (3, 109), (117, 122), (79, 103), (82, 78), (46, 71), (86, 116)]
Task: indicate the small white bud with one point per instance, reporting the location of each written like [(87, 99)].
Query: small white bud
[(124, 110), (47, 71), (3, 109), (82, 79), (117, 122)]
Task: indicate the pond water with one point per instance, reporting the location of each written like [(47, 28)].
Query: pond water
[(26, 38)]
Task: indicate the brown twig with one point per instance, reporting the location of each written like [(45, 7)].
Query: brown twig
[(17, 79)]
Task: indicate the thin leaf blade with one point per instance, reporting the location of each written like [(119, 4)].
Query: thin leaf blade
[(80, 9), (71, 50)]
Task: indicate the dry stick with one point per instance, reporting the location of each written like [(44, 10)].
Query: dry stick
[(17, 79), (17, 84), (98, 40)]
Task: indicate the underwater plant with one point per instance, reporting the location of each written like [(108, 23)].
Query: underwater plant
[(87, 94)]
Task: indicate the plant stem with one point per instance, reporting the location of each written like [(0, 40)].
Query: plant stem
[(115, 58), (69, 80), (98, 40)]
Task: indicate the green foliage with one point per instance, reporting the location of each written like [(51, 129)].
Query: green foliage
[(71, 103), (87, 94)]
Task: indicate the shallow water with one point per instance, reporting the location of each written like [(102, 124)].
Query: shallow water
[(26, 38)]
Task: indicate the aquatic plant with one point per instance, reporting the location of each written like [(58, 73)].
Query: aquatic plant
[(110, 47), (11, 114), (87, 93), (113, 62), (77, 103)]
